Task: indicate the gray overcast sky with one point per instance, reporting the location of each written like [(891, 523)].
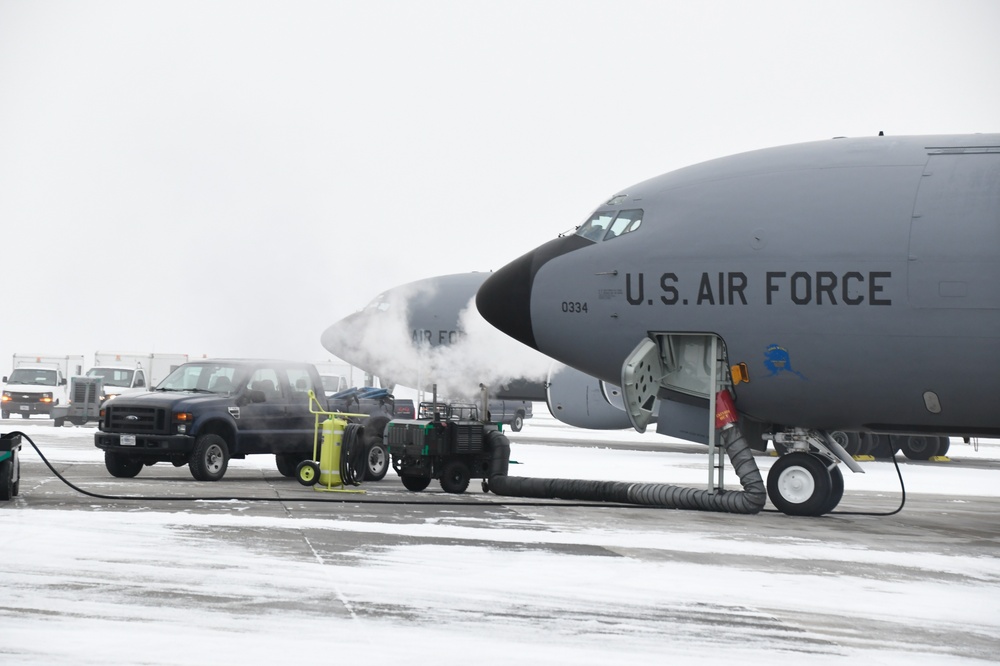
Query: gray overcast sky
[(229, 178)]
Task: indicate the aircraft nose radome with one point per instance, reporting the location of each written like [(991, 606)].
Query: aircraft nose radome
[(335, 338), (504, 300)]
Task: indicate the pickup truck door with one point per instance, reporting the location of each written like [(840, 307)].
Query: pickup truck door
[(262, 410), (300, 422)]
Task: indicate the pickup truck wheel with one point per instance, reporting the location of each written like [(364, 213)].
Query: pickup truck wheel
[(209, 459), (121, 466), (376, 462), (376, 453), (307, 472), (288, 462), (415, 483), (518, 422), (455, 477)]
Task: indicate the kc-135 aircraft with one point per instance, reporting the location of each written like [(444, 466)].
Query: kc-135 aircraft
[(849, 284)]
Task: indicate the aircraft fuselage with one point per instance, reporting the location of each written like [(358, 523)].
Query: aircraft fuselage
[(858, 279)]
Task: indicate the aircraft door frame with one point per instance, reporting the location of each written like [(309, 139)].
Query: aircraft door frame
[(682, 364)]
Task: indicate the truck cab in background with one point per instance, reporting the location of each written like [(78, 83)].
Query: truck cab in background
[(37, 384), (123, 372), (113, 374), (116, 380), (333, 384)]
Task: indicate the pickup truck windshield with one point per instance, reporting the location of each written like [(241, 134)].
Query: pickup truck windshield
[(211, 377), (113, 376)]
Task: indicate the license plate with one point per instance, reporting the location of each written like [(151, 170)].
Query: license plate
[(128, 440), (25, 408)]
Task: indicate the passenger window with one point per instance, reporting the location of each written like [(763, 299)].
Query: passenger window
[(221, 380), (140, 379), (301, 383), (626, 221), (266, 381)]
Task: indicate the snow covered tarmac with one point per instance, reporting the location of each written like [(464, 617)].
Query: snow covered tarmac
[(139, 582)]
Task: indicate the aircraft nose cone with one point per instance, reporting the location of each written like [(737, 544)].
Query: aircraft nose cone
[(342, 338), (504, 300)]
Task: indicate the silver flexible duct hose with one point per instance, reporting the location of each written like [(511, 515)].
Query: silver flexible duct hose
[(749, 500)]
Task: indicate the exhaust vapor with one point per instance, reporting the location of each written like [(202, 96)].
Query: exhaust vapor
[(430, 332)]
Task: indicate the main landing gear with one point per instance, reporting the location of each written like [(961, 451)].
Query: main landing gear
[(807, 481)]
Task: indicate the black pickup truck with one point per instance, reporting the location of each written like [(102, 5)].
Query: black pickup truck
[(206, 412)]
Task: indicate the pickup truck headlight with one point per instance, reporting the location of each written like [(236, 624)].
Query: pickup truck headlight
[(6, 396), (182, 420), (46, 397)]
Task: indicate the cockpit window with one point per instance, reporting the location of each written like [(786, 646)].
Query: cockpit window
[(627, 220), (597, 225), (608, 224), (381, 303)]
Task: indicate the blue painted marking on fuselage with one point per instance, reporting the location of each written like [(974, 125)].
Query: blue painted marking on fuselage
[(777, 361)]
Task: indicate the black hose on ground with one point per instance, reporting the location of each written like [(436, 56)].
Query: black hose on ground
[(352, 455), (350, 499), (749, 500)]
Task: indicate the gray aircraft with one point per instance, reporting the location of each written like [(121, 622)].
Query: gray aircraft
[(401, 322), (398, 335), (419, 333), (842, 285)]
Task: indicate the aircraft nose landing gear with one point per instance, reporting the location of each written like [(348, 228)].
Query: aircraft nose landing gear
[(801, 484), (807, 480)]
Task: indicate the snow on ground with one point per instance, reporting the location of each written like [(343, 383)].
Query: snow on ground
[(228, 583)]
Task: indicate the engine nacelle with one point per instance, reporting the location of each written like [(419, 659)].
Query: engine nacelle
[(580, 400)]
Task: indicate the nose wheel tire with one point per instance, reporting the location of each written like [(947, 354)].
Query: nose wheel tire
[(836, 490), (799, 484)]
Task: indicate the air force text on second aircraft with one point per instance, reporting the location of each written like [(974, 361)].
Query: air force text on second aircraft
[(769, 288)]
